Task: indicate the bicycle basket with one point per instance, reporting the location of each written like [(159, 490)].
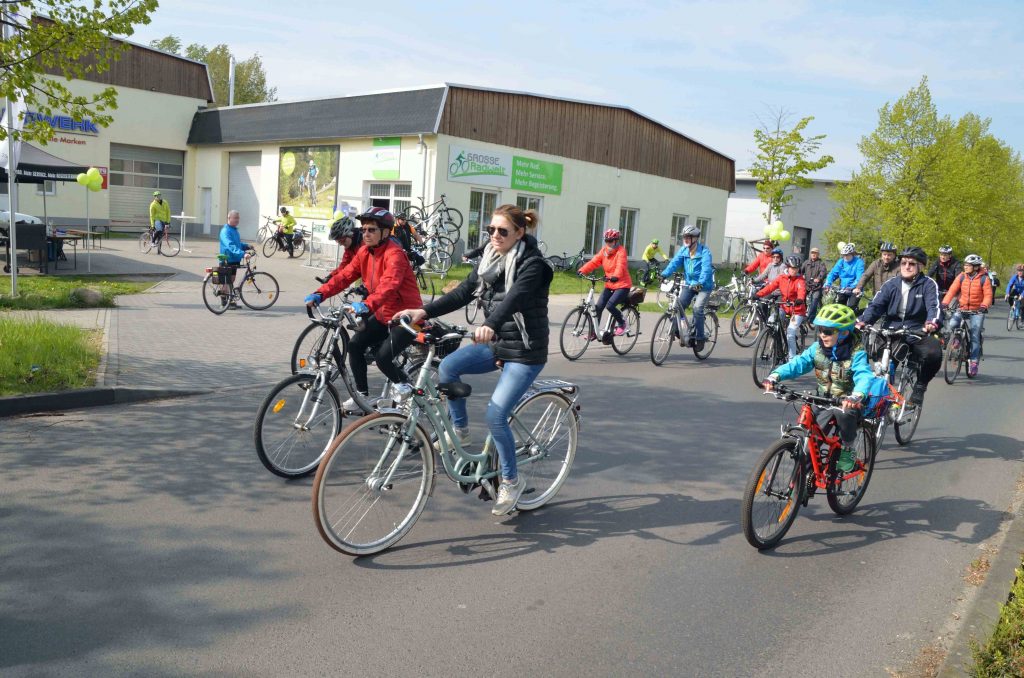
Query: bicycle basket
[(636, 296), (448, 346), (668, 285)]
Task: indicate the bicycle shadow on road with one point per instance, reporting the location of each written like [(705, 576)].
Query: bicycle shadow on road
[(567, 524), (952, 519), (936, 450)]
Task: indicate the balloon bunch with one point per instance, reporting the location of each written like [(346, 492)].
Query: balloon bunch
[(92, 179), (338, 214), (776, 231)]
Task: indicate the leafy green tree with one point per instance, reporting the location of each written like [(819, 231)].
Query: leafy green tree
[(250, 77), (929, 180), (783, 160), (71, 41)]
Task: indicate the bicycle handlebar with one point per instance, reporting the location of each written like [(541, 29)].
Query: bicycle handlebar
[(782, 393), (456, 332), (899, 332)]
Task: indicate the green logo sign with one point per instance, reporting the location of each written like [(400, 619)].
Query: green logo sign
[(537, 176)]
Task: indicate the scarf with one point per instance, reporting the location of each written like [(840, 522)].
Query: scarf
[(493, 264)]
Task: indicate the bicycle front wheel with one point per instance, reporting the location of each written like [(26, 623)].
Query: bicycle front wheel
[(771, 499), (214, 300), (662, 338), (953, 361), (454, 216), (768, 354), (311, 348), (295, 425), (710, 336), (546, 430), (170, 247), (269, 247), (472, 311), (439, 260), (259, 291), (744, 326), (145, 242), (904, 414), (624, 343), (1010, 320), (576, 334), (427, 288), (847, 489), (372, 484)]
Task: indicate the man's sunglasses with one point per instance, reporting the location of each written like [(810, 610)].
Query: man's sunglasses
[(909, 262), (500, 230), (826, 331)]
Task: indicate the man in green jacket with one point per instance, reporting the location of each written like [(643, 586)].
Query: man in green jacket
[(159, 216)]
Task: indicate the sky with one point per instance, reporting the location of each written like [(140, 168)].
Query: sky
[(710, 70)]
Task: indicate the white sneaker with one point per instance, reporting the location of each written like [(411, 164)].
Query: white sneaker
[(351, 405), (462, 434), (508, 495)]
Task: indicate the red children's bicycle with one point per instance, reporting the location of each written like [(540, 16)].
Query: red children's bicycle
[(799, 464)]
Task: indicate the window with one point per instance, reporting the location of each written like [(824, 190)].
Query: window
[(703, 223), (170, 183), (46, 188), (116, 179), (144, 167), (119, 165), (170, 170), (678, 222), (145, 181), (530, 202), (627, 226), (393, 197), (597, 217)]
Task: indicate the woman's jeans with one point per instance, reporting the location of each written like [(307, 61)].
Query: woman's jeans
[(611, 299), (685, 298), (515, 379), (792, 332), (977, 323)]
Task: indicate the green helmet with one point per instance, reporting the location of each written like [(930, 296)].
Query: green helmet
[(839, 316), (654, 242)]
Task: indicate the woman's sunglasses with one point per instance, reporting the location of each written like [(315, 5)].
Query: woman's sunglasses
[(369, 230), (503, 232)]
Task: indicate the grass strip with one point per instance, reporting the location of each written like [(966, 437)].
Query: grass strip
[(51, 291), (1003, 653), (39, 356)]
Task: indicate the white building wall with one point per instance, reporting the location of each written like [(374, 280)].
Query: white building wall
[(811, 208)]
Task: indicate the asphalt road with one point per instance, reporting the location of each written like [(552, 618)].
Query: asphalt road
[(148, 540)]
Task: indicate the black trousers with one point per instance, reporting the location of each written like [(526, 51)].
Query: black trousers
[(391, 343), (928, 353)]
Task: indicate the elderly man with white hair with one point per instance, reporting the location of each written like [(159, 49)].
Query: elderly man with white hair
[(234, 249)]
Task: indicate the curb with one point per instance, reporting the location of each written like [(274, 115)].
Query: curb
[(983, 613), (87, 397)]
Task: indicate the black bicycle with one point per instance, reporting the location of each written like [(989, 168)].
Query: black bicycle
[(567, 262), (959, 346), (772, 347), (896, 363)]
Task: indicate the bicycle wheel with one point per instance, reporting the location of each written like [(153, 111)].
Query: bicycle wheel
[(453, 215), (847, 489), (624, 343), (545, 428), (426, 285), (576, 334), (414, 214), (710, 336), (905, 415), (259, 291), (953, 361), (299, 248), (262, 235), (214, 300), (472, 311), (372, 485), (145, 242), (662, 337), (1010, 320), (439, 260), (768, 355), (661, 299), (269, 247), (771, 498), (295, 425), (745, 327), (170, 247), (557, 262), (311, 347)]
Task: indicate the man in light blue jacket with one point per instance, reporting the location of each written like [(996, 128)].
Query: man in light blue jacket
[(232, 247), (848, 271), (695, 261)]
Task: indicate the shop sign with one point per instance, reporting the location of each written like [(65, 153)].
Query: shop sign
[(504, 170), (387, 156), (64, 123)]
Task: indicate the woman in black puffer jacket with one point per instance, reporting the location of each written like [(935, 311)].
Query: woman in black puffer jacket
[(513, 272)]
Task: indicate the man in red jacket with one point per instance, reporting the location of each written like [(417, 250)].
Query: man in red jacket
[(385, 271), (762, 260), (793, 301)]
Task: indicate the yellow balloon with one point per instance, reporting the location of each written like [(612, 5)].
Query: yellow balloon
[(93, 172), (338, 214), (777, 225), (94, 187), (785, 235), (82, 178)]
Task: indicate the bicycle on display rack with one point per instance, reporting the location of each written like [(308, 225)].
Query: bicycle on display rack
[(303, 413), (1013, 316), (772, 348), (436, 214), (674, 326), (256, 289), (578, 327), (374, 481), (959, 346), (567, 262), (799, 464), (166, 244), (437, 253), (277, 242), (896, 363)]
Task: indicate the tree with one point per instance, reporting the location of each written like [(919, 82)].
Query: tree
[(250, 78), (70, 41), (783, 160), (929, 180)]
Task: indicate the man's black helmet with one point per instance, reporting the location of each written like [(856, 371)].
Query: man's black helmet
[(381, 216), (343, 228), (794, 261), (915, 253)]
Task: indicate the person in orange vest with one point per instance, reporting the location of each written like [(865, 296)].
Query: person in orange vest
[(974, 290)]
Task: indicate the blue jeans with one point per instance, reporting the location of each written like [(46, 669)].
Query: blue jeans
[(687, 296), (977, 323), (611, 299), (792, 332), (515, 379), (158, 229)]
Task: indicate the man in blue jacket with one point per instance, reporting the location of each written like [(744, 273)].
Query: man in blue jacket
[(848, 270), (695, 260), (911, 300), (234, 249)]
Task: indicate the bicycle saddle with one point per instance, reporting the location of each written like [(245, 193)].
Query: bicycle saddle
[(455, 389)]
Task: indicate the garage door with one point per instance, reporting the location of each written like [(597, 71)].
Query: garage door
[(137, 171), (243, 182)]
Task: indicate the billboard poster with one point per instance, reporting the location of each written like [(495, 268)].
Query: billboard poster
[(504, 170), (387, 156), (308, 180)]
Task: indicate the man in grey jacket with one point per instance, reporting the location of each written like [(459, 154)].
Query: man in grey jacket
[(814, 272)]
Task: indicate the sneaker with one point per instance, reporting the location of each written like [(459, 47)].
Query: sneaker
[(461, 433), (620, 330), (351, 405), (508, 495), (847, 460), (972, 368), (917, 397)]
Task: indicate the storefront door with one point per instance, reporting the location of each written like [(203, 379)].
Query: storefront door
[(481, 207)]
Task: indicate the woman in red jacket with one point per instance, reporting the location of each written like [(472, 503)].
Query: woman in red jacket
[(615, 262), (793, 301), (387, 275)]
